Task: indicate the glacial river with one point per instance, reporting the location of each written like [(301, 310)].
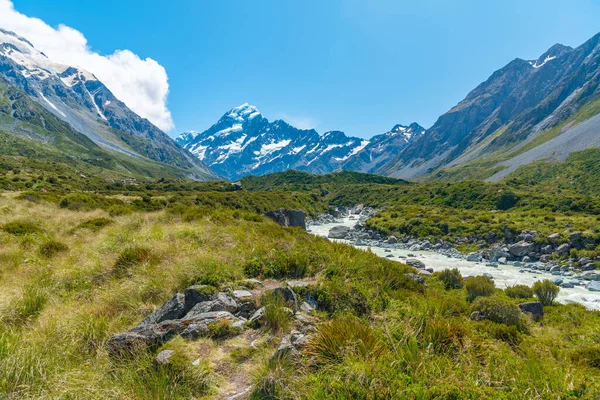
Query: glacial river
[(503, 275)]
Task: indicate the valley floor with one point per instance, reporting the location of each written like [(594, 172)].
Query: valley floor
[(74, 276)]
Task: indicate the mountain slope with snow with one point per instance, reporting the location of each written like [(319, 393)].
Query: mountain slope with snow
[(243, 142), (501, 123), (81, 100)]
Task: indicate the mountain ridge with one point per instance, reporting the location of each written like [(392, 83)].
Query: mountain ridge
[(77, 97), (243, 142)]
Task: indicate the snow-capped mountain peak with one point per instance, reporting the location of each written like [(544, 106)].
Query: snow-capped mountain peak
[(243, 142), (36, 64), (243, 113)]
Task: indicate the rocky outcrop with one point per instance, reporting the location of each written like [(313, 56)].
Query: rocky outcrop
[(534, 308), (288, 218)]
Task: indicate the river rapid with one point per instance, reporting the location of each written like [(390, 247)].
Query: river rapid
[(503, 275)]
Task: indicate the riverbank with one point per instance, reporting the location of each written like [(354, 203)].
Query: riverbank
[(444, 257)]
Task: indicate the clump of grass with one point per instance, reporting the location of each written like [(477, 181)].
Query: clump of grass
[(94, 224), (129, 258), (21, 228), (241, 354), (277, 316), (589, 356), (31, 302), (451, 278), (341, 337), (479, 286), (546, 291), (442, 336), (221, 329), (52, 248), (519, 292)]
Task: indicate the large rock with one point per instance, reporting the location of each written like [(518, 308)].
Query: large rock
[(197, 323), (535, 308), (521, 249), (288, 218), (594, 286), (475, 256), (563, 249), (198, 294), (142, 337), (338, 232), (174, 308), (415, 263)]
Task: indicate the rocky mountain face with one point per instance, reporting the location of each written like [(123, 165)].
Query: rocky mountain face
[(243, 142), (78, 98), (510, 114)]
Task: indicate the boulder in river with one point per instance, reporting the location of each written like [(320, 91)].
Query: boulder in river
[(521, 249), (338, 232)]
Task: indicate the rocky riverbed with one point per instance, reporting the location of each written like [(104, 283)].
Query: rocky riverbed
[(508, 265)]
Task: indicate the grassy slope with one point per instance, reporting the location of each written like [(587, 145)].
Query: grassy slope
[(57, 313), (579, 172), (297, 180)]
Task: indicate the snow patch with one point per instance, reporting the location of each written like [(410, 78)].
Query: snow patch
[(52, 105), (548, 58)]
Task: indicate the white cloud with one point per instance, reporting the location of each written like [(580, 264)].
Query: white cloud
[(141, 84)]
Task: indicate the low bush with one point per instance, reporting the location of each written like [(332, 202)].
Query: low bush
[(20, 228), (479, 286), (519, 292), (341, 337), (500, 311), (546, 291), (506, 333), (451, 278), (52, 248), (95, 224)]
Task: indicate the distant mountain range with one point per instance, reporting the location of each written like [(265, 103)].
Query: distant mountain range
[(526, 111), (243, 142), (71, 111)]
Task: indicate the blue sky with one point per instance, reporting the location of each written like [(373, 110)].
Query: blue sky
[(355, 66)]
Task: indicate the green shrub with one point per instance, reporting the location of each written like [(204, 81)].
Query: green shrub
[(479, 286), (78, 202), (519, 292), (451, 278), (253, 268), (117, 210), (499, 311), (589, 356), (52, 248), (130, 258), (546, 291), (20, 228), (343, 336), (94, 224), (506, 333)]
